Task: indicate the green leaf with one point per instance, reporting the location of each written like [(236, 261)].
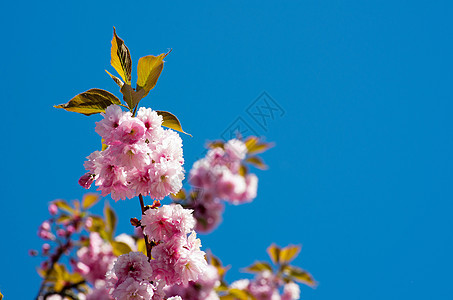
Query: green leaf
[(104, 146), (120, 248), (274, 253), (128, 95), (74, 277), (243, 170), (254, 146), (118, 81), (141, 246), (287, 254), (181, 195), (171, 121), (148, 71), (110, 220), (90, 102), (98, 224), (215, 144), (121, 58), (89, 200), (239, 294), (257, 162), (299, 275), (63, 219), (63, 205), (258, 267)]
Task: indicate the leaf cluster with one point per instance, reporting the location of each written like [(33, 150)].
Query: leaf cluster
[(149, 68)]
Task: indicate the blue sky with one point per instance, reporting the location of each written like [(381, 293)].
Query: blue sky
[(362, 168)]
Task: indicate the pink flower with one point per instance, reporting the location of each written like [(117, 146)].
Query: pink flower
[(191, 263), (235, 149), (53, 209), (130, 131), (151, 120), (107, 128), (264, 287), (166, 221), (95, 260), (132, 265), (131, 289), (291, 291), (99, 292), (168, 176)]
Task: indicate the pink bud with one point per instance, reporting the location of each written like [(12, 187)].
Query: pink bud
[(32, 252), (86, 180), (53, 209), (45, 226), (70, 229), (88, 222), (45, 248), (61, 232)]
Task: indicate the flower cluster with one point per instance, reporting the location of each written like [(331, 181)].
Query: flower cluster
[(202, 289), (132, 278), (94, 260), (266, 285), (177, 256), (141, 158), (219, 176)]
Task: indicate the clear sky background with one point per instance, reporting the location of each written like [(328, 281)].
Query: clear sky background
[(361, 174)]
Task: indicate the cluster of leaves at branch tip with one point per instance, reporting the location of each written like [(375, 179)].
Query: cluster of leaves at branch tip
[(149, 69), (254, 146), (280, 257)]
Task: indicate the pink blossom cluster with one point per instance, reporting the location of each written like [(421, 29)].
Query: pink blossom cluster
[(217, 176), (132, 278), (94, 260), (177, 258), (266, 287), (202, 289), (142, 157)]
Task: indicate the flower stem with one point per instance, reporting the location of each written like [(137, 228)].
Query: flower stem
[(147, 243)]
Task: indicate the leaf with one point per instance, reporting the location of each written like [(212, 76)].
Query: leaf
[(74, 277), (215, 144), (274, 253), (63, 205), (128, 95), (171, 121), (121, 58), (179, 196), (259, 267), (116, 79), (97, 224), (1, 296), (141, 246), (257, 162), (299, 275), (254, 146), (251, 141), (243, 170), (148, 71), (90, 102), (239, 294), (63, 219), (104, 146), (110, 220), (287, 254), (120, 248), (89, 200)]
